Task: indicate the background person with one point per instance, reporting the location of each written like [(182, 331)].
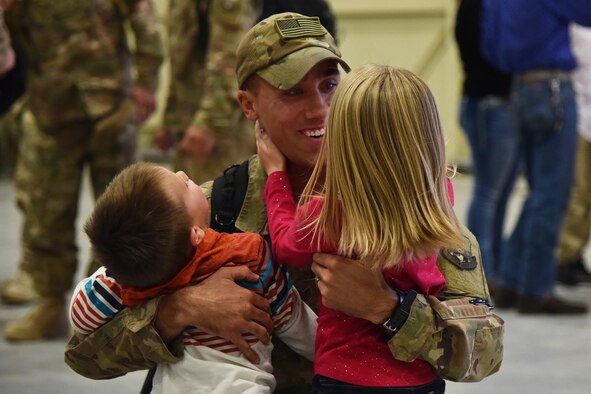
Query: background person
[(530, 40), (83, 110), (484, 116), (577, 221), (202, 120)]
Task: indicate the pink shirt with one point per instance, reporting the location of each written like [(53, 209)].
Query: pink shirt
[(348, 349)]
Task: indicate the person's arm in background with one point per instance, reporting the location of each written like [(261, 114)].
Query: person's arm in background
[(147, 56), (228, 23), (7, 57), (574, 10)]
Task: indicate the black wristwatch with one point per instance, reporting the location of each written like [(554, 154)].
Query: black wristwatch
[(401, 312)]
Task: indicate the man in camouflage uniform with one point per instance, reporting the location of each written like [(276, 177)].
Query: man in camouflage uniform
[(302, 73), (82, 111), (202, 120)]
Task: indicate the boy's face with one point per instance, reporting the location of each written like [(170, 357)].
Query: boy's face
[(192, 196), (295, 118)]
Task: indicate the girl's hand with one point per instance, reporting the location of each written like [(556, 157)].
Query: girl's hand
[(270, 156)]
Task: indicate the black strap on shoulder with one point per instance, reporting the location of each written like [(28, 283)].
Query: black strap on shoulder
[(227, 195)]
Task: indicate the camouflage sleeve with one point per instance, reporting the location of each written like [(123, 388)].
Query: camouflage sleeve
[(229, 20), (127, 343), (148, 53), (449, 332)]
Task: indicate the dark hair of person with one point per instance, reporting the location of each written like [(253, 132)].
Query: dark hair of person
[(138, 230)]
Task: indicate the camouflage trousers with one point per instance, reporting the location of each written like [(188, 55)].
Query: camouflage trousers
[(10, 134), (230, 148), (48, 179), (577, 220)]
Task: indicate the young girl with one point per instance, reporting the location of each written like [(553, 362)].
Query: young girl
[(385, 199)]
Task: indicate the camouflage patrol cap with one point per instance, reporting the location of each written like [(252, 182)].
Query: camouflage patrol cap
[(283, 48)]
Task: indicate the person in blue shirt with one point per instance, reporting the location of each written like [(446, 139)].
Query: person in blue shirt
[(530, 40)]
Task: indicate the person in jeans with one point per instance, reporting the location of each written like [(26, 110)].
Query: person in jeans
[(484, 116), (530, 39)]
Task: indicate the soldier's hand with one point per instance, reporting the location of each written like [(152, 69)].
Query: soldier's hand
[(220, 307), (9, 61), (5, 4), (350, 287), (145, 103), (163, 139), (197, 142)]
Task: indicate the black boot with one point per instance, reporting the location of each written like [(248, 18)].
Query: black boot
[(573, 274), (551, 305), (502, 297)]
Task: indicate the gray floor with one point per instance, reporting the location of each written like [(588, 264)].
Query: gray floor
[(542, 354)]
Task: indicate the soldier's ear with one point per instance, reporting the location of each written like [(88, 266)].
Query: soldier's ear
[(246, 99)]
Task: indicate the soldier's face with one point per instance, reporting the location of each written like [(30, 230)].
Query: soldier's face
[(295, 119)]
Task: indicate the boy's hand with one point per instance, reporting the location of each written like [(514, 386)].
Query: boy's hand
[(220, 307), (270, 157)]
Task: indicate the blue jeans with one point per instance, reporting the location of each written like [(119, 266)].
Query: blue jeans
[(545, 115), (494, 144)]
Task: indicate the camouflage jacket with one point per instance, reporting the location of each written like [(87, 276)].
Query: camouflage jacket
[(80, 60), (203, 36), (129, 342)]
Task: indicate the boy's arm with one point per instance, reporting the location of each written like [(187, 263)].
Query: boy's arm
[(298, 331), (95, 301)]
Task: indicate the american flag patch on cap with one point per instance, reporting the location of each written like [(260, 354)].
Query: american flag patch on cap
[(300, 27)]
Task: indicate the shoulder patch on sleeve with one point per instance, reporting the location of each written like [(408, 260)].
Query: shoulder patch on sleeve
[(461, 258)]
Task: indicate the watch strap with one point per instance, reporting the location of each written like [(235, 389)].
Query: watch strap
[(401, 312)]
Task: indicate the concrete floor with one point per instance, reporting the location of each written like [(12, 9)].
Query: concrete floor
[(542, 354)]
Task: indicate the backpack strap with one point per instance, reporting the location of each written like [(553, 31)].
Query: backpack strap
[(227, 195)]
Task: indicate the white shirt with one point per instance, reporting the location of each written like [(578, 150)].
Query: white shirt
[(581, 46)]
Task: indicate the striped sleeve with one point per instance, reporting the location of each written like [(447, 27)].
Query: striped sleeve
[(95, 301)]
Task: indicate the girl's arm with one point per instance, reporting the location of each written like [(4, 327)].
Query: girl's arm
[(291, 245)]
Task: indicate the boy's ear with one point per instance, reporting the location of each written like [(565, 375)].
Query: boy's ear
[(247, 102), (197, 235)]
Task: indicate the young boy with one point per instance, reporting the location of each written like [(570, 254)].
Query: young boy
[(149, 229)]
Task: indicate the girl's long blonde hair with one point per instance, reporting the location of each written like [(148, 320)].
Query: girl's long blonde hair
[(385, 191)]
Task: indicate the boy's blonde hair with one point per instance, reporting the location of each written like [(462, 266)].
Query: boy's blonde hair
[(385, 192)]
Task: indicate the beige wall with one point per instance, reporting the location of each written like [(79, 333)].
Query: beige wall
[(414, 34)]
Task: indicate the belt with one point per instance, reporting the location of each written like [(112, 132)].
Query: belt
[(541, 75)]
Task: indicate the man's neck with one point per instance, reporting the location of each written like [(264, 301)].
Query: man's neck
[(298, 178)]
